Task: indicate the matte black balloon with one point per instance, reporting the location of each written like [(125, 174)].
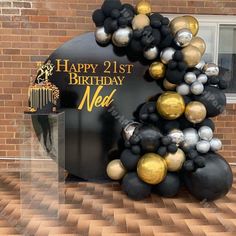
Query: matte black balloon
[(172, 148), (189, 166), (187, 99), (136, 46), (175, 73), (165, 21), (200, 161), (98, 17), (207, 122), (162, 151), (212, 181), (115, 13), (166, 140), (213, 99), (170, 125), (169, 187), (123, 22), (155, 23), (166, 41), (129, 7), (156, 16), (147, 113), (178, 56), (108, 25), (109, 5), (137, 34), (223, 84), (165, 30), (214, 80), (192, 153), (129, 160), (150, 138), (136, 149), (134, 187)]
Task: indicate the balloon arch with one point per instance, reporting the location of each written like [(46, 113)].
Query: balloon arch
[(170, 142)]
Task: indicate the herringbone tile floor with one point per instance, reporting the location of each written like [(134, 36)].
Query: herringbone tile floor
[(103, 210)]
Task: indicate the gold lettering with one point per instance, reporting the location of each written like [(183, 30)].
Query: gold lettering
[(73, 79), (61, 66), (129, 67), (94, 67)]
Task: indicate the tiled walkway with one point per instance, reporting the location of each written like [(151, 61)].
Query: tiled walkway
[(102, 209)]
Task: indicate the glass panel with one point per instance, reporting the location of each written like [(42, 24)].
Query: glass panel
[(41, 167), (227, 55), (208, 31)]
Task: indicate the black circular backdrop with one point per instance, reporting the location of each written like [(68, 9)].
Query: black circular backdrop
[(90, 135)]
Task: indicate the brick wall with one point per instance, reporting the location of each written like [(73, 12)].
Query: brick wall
[(32, 30)]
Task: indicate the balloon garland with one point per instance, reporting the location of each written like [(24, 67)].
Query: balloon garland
[(171, 140)]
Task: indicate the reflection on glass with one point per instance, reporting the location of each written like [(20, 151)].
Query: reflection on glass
[(227, 55)]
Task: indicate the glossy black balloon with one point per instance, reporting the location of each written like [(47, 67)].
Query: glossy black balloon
[(98, 17), (109, 5), (134, 187), (169, 187), (212, 181), (129, 160), (213, 99)]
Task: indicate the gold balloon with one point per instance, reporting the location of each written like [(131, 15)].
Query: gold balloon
[(152, 168), (178, 23), (143, 7), (175, 161), (193, 24), (199, 43), (140, 21), (169, 86), (170, 105), (192, 55), (157, 70), (115, 170), (195, 112)]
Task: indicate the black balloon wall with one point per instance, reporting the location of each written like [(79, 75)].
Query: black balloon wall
[(170, 141)]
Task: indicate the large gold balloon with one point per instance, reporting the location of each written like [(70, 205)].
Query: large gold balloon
[(199, 43), (195, 112), (170, 105), (175, 161), (192, 55), (140, 21), (115, 170), (143, 7), (152, 168), (157, 70), (178, 23), (169, 86), (193, 24)]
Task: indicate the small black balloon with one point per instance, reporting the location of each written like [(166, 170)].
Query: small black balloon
[(108, 25), (115, 13), (214, 80), (169, 187), (155, 23), (98, 17), (134, 187), (189, 166), (136, 46), (172, 148), (212, 181), (213, 99), (166, 140), (137, 34), (136, 149), (192, 153), (165, 30), (165, 21), (170, 125), (129, 160), (128, 6), (178, 56), (109, 5), (166, 41), (200, 161), (156, 16), (123, 22), (157, 36), (223, 84)]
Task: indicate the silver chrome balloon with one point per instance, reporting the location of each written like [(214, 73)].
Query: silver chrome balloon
[(211, 69), (203, 146), (101, 36), (200, 65), (197, 88), (205, 133), (129, 130), (183, 37), (216, 144), (167, 55), (122, 36), (190, 77), (177, 136), (151, 53), (183, 89), (191, 137), (202, 78)]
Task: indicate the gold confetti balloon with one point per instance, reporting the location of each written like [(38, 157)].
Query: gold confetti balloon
[(152, 168), (192, 55), (143, 7), (175, 161), (199, 43), (170, 105), (140, 21), (195, 112), (169, 86), (178, 23), (115, 170), (193, 24), (157, 70)]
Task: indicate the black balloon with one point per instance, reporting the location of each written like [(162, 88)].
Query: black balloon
[(150, 138), (169, 187), (212, 181), (213, 99), (172, 148), (162, 151), (207, 122), (98, 17), (129, 160), (134, 187), (110, 5)]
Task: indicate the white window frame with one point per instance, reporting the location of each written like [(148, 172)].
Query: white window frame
[(215, 21)]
